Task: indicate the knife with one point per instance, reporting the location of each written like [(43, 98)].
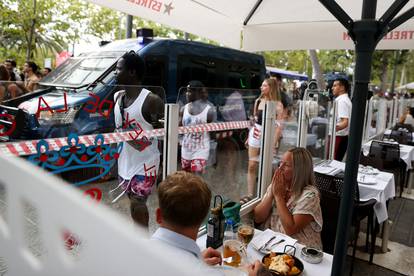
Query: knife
[(267, 243)]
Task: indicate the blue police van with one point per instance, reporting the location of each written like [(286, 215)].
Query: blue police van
[(170, 65)]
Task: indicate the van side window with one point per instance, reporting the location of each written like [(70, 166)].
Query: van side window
[(243, 76), (156, 74), (213, 72), (197, 68), (155, 71)]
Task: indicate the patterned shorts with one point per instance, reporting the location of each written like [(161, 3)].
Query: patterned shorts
[(195, 165), (139, 186)]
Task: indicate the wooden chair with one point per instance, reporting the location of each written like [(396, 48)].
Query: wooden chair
[(331, 188)]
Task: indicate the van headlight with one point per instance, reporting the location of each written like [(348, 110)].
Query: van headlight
[(47, 117)]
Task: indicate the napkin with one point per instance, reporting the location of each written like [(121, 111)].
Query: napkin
[(327, 170), (366, 179), (261, 239)]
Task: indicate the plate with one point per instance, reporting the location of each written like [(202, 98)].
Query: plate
[(298, 264), (366, 179)]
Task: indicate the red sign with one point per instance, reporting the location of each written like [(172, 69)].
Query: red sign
[(393, 35), (62, 56)]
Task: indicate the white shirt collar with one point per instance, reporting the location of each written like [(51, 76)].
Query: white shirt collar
[(177, 240)]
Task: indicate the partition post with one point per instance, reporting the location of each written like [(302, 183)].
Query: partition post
[(170, 139), (266, 152), (302, 125), (333, 132)]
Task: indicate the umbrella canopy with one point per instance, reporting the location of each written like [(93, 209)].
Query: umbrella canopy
[(265, 24), (407, 86)]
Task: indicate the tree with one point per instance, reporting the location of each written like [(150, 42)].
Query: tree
[(316, 69), (38, 26)]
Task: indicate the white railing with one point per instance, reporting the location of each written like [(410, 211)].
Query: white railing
[(111, 245)]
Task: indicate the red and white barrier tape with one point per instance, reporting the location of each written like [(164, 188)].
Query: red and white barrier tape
[(29, 147)]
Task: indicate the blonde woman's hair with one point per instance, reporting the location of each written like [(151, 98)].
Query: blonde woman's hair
[(274, 89), (302, 170)]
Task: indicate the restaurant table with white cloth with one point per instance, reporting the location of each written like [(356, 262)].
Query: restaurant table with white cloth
[(321, 269), (406, 152), (379, 186)]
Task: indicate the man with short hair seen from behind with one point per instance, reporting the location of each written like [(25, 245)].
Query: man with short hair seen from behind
[(184, 202)]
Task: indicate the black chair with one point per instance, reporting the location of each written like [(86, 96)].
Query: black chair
[(386, 157), (402, 136), (399, 126), (330, 188)]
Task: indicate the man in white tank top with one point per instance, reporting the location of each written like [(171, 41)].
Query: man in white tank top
[(195, 147), (137, 109)]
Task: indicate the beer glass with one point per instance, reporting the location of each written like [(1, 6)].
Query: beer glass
[(245, 233), (232, 250)]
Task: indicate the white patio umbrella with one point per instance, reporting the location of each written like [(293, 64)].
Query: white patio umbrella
[(297, 24), (407, 86), (265, 24)]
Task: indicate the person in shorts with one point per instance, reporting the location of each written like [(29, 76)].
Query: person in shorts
[(137, 109), (195, 147)]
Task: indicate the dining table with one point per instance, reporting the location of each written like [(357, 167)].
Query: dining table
[(321, 269), (372, 184)]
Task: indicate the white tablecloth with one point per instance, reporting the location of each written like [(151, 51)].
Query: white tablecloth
[(321, 269), (381, 191), (406, 153)]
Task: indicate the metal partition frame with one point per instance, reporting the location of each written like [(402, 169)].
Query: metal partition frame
[(266, 156), (302, 125), (332, 129), (170, 149)]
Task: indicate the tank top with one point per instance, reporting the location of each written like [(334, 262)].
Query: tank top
[(132, 162), (195, 145)]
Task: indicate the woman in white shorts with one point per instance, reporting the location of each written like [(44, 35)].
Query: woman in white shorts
[(270, 92)]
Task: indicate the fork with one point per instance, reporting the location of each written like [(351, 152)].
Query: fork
[(267, 243), (276, 243)]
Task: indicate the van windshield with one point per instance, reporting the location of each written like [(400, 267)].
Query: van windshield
[(80, 71)]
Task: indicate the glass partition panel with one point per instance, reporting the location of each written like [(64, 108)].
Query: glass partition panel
[(317, 110), (389, 104), (289, 123), (381, 115), (218, 152), (372, 114), (104, 139)]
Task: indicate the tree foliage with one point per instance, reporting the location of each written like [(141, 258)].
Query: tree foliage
[(34, 28)]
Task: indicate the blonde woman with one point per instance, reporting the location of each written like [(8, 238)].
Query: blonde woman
[(269, 92), (292, 200)]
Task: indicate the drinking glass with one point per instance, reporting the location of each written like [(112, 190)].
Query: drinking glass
[(245, 232), (233, 249)]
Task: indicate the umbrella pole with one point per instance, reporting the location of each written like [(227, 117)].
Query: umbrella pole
[(362, 74), (365, 33)]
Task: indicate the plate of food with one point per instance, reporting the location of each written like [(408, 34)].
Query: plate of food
[(283, 264), (368, 170)]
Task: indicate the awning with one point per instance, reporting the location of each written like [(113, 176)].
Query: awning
[(274, 25)]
